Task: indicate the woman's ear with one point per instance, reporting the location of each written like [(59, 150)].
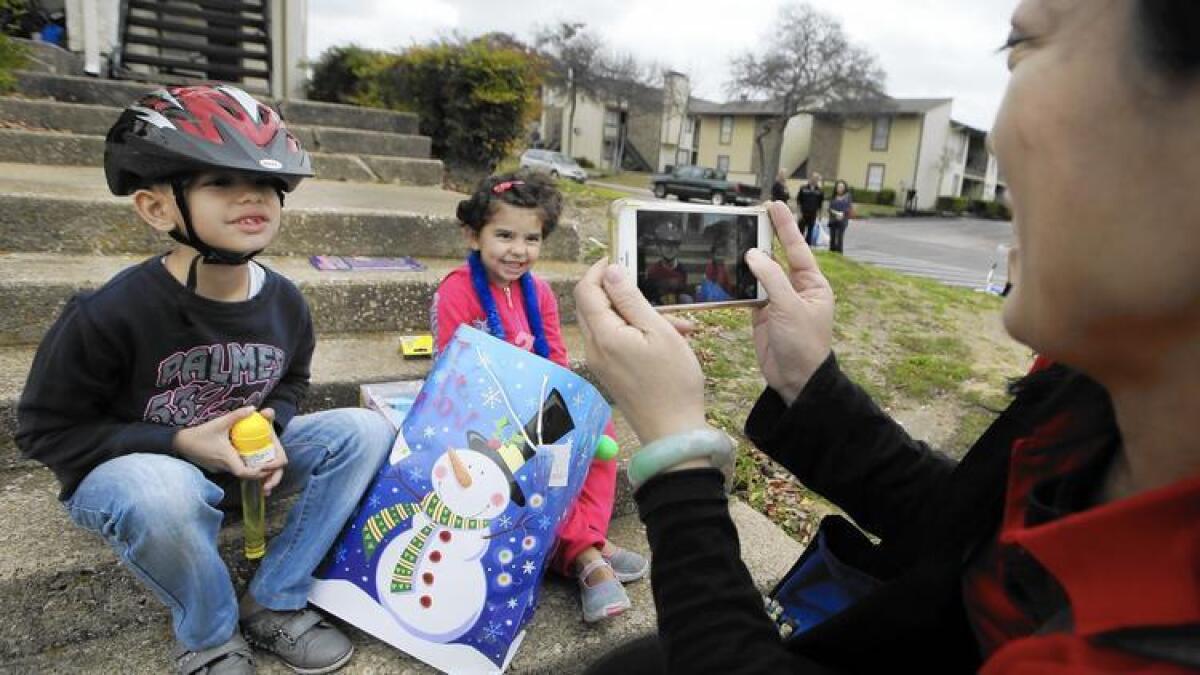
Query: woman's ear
[(157, 208)]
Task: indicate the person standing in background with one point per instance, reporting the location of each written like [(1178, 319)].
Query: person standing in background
[(809, 198)]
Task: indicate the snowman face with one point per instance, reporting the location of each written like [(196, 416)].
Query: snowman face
[(485, 495)]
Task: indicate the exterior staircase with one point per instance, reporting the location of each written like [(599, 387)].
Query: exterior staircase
[(66, 605)]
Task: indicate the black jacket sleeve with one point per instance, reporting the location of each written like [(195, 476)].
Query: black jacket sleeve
[(61, 418), (837, 442), (710, 615), (286, 397)]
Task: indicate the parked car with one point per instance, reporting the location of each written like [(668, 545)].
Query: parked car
[(554, 163), (698, 182)]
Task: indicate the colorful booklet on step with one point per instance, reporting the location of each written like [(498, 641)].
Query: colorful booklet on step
[(359, 263), (444, 556)]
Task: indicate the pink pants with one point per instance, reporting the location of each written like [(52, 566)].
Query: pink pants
[(586, 523)]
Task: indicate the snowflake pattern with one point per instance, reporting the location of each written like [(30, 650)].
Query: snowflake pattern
[(504, 521), (414, 474), (491, 398), (544, 523), (428, 431), (493, 631), (341, 554), (528, 567), (374, 502), (512, 603)]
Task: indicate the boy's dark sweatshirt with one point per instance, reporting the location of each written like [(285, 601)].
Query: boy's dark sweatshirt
[(126, 366)]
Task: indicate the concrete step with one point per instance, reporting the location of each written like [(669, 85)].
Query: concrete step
[(68, 209), (68, 149), (120, 93), (66, 605), (35, 286), (340, 364), (95, 120)]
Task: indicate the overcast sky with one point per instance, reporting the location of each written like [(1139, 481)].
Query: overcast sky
[(929, 48)]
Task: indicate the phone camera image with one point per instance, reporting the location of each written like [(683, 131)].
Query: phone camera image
[(687, 257)]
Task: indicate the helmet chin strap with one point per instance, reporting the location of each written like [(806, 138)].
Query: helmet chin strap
[(209, 255)]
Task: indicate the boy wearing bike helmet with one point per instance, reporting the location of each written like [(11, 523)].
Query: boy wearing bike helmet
[(136, 385)]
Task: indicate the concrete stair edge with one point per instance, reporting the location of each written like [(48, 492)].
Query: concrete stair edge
[(68, 149), (119, 93), (87, 119), (63, 224), (34, 287)]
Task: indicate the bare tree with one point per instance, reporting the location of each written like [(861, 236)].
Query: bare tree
[(573, 54), (808, 62)]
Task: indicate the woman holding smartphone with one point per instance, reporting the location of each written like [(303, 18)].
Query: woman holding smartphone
[(1065, 540)]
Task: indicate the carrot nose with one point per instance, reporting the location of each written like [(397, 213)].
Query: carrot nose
[(460, 470)]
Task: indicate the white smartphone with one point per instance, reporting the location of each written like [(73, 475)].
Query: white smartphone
[(689, 256)]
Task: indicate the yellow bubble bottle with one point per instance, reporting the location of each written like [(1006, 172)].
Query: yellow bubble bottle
[(253, 441)]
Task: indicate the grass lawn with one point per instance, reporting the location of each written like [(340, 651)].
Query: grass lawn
[(637, 179), (875, 211)]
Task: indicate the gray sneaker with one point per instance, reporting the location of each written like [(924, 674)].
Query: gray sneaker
[(232, 658), (606, 598), (302, 639), (627, 565)]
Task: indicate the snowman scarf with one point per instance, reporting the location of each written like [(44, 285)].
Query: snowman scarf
[(387, 519)]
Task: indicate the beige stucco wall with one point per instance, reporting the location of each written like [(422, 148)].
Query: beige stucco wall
[(934, 139), (740, 147), (899, 160), (587, 140)]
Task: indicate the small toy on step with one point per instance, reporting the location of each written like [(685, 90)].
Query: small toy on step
[(607, 448), (416, 346)]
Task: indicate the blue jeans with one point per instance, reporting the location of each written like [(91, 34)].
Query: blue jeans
[(160, 515)]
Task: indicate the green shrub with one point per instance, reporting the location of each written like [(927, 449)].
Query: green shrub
[(861, 196), (998, 211), (952, 204), (12, 57), (887, 197), (349, 74), (473, 100), (12, 53)]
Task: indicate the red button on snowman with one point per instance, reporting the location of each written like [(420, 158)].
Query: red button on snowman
[(431, 577)]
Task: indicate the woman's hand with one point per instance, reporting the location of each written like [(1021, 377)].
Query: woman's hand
[(639, 356), (794, 332)]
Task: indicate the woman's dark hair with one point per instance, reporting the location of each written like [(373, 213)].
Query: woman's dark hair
[(1168, 35), (841, 182), (523, 189)]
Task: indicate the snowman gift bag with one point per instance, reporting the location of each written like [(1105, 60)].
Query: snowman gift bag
[(444, 556)]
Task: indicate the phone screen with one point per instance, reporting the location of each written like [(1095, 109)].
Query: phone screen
[(685, 257)]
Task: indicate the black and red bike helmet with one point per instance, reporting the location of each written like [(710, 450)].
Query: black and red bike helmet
[(175, 132)]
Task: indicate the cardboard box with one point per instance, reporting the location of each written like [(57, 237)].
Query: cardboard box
[(393, 399)]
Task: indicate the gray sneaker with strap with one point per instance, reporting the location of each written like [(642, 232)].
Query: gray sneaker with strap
[(627, 565), (232, 658), (302, 639)]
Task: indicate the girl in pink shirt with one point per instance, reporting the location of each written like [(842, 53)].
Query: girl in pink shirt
[(505, 222)]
